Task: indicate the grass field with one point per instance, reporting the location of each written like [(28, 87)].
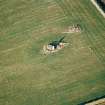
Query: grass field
[(69, 77)]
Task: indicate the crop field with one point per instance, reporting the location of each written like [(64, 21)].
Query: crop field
[(73, 75)]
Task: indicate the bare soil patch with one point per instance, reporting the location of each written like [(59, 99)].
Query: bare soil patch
[(73, 29), (47, 49)]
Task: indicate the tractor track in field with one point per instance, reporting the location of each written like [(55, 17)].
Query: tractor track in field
[(96, 49), (11, 49), (91, 39)]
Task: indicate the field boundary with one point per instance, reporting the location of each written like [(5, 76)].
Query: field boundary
[(98, 8), (95, 100), (98, 102)]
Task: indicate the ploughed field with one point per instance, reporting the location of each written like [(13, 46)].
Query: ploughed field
[(71, 76)]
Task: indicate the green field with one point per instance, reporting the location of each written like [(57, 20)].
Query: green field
[(71, 76)]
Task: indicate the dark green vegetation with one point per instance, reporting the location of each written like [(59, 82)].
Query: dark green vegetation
[(57, 42), (71, 76)]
